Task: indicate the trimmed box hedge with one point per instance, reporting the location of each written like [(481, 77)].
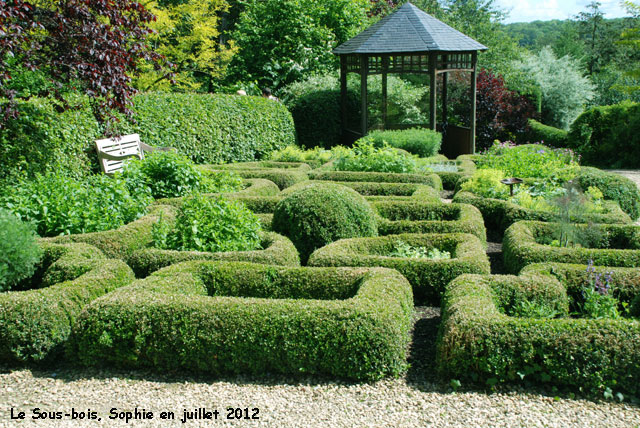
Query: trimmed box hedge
[(233, 317), (428, 277), (255, 187), (432, 180), (267, 164), (499, 214), (276, 250), (121, 243), (283, 178), (521, 246), (397, 217), (36, 323), (450, 180), (480, 341), (381, 191)]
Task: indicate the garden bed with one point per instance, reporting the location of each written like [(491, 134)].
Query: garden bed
[(351, 323), (526, 242), (483, 337), (276, 250), (499, 214), (397, 217), (36, 323), (428, 277), (432, 180), (282, 177)]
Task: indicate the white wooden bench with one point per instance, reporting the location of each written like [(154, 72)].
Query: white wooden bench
[(112, 152)]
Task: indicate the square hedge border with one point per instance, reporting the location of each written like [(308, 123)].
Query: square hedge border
[(395, 217), (282, 177), (35, 324), (276, 250), (499, 215), (521, 248), (255, 187), (427, 277), (432, 180), (233, 317), (466, 168), (479, 342)]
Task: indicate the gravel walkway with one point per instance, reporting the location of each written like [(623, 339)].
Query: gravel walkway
[(417, 400)]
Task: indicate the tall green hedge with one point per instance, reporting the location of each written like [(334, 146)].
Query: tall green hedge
[(42, 140), (208, 128), (549, 135), (213, 128), (608, 136)]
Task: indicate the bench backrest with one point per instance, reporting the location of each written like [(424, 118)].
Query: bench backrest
[(123, 147)]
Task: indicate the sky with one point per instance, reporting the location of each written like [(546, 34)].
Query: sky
[(544, 10)]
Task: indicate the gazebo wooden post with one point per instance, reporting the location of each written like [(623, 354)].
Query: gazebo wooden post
[(364, 71), (343, 93), (444, 92), (472, 138), (385, 70), (433, 94)]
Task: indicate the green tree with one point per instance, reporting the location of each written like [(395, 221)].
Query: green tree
[(283, 41), (631, 38), (187, 34), (563, 87)]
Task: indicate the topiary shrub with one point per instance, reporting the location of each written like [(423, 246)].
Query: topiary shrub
[(321, 213), (554, 137), (418, 141), (211, 128), (209, 224), (19, 252), (36, 323)]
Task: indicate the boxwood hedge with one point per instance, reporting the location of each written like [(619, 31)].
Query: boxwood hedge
[(479, 339), (233, 317), (432, 180), (450, 179), (282, 177), (123, 242), (254, 187), (521, 246), (266, 164), (499, 214), (212, 128), (36, 323), (276, 250), (428, 277), (418, 217)]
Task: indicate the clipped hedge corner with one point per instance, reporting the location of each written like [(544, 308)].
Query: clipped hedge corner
[(349, 323)]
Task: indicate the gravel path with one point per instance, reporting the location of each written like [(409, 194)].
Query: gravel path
[(416, 400)]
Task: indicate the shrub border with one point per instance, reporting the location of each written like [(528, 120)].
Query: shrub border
[(362, 337)]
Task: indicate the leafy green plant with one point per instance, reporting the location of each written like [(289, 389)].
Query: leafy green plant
[(19, 251), (418, 141), (365, 156), (486, 183), (402, 249), (297, 154), (533, 309), (530, 161), (172, 175), (59, 205), (209, 224)]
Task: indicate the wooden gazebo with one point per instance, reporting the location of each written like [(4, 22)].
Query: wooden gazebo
[(411, 41)]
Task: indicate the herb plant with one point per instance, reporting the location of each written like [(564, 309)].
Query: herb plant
[(404, 250), (19, 251), (598, 301)]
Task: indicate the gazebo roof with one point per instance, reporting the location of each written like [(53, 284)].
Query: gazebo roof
[(408, 29)]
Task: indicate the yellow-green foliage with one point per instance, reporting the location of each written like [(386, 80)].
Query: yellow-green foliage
[(486, 183), (187, 34)]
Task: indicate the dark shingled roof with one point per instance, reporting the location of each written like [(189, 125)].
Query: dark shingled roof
[(408, 29)]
